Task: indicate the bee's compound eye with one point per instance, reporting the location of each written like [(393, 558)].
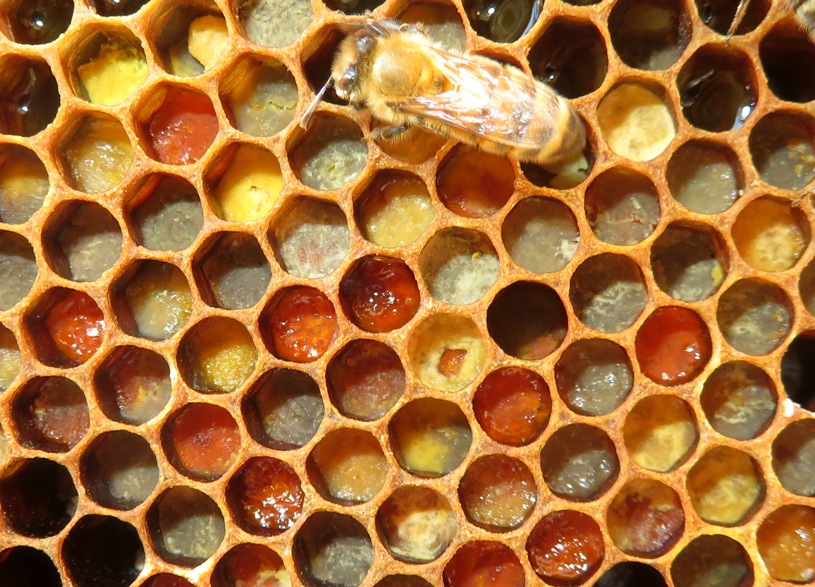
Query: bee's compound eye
[(349, 78), (365, 43)]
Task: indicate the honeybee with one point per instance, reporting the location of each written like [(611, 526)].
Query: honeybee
[(804, 13), (406, 80)]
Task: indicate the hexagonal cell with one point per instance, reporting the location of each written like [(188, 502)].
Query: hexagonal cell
[(299, 324), (365, 379), (116, 7), (265, 496), (527, 320), (608, 292), (38, 22), (332, 549), (631, 574), (786, 543), (268, 24), (739, 400), (782, 146), (797, 372), (37, 497), (177, 124), (66, 327), (686, 261), (119, 470), (459, 265), (645, 518), (217, 355), (429, 437), (51, 414), (244, 183), (102, 550), (705, 177), (133, 385), (649, 34), (188, 37), (185, 526), (330, 154), (579, 462), (10, 358), (622, 206), (152, 300), (249, 564), (23, 564), (233, 272), (106, 67), (502, 22), (165, 214), (717, 89), (570, 57), (24, 183), (416, 524), (284, 409), (794, 457), (473, 183), (725, 486), (541, 234), (312, 238), (784, 52), (483, 563), (259, 96), (712, 560), (631, 111), (447, 352), (754, 316), (29, 98), (347, 466), (594, 376), (770, 234), (720, 15), (497, 493), (18, 269), (95, 153), (513, 405), (201, 440), (83, 241), (565, 547), (673, 345), (394, 210), (660, 433)]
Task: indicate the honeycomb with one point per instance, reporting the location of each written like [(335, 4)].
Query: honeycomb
[(237, 352)]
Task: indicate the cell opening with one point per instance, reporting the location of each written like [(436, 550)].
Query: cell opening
[(705, 177), (232, 272), (649, 34), (103, 550), (608, 292), (332, 549), (785, 51), (622, 206)]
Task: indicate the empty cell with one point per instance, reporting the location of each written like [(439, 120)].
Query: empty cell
[(189, 38), (739, 400), (622, 206), (245, 181), (83, 241), (754, 316), (37, 498), (119, 470), (416, 524), (284, 409), (38, 22), (484, 563), (719, 15), (631, 574), (441, 21), (153, 300), (608, 292), (785, 52), (394, 210), (96, 154), (265, 496), (66, 326), (102, 550), (459, 265), (270, 24), (497, 493), (165, 214), (565, 547), (29, 98), (541, 234), (782, 147), (712, 559), (660, 433), (447, 352), (317, 58), (365, 379), (186, 526), (201, 440), (311, 239), (473, 183), (687, 263), (107, 67), (513, 405), (24, 184), (579, 462), (770, 234), (133, 385), (786, 543), (217, 355), (705, 177), (22, 565), (259, 96), (673, 345), (299, 325), (794, 457), (594, 376), (649, 34), (51, 414), (233, 272), (332, 549), (645, 518), (429, 437), (330, 154), (503, 22), (10, 358), (636, 122), (117, 7), (18, 269), (249, 564)]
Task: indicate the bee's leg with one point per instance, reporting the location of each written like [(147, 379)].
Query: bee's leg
[(389, 132)]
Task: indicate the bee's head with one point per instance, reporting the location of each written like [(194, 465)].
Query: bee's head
[(352, 60)]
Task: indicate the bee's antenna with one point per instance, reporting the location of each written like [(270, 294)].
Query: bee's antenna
[(741, 9), (309, 113)]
